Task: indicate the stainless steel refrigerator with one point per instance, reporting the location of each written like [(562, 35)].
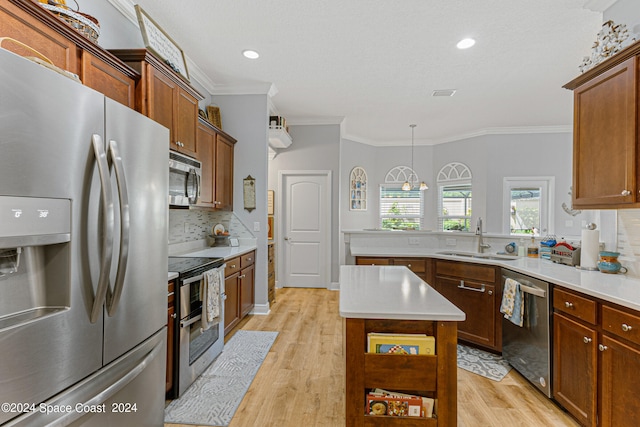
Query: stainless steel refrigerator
[(83, 254)]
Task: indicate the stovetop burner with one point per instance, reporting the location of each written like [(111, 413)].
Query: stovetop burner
[(184, 265)]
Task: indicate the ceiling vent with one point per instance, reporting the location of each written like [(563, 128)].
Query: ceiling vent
[(443, 92)]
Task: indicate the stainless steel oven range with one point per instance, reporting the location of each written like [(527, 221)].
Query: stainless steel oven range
[(195, 347)]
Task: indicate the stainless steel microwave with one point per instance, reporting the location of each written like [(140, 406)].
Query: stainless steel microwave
[(184, 179)]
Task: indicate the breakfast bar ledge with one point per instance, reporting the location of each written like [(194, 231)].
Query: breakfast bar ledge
[(391, 299)]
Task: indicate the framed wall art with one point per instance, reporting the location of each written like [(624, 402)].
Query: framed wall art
[(249, 193), (358, 189), (159, 42)]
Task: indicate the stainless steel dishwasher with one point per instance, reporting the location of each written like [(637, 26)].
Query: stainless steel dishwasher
[(528, 348)]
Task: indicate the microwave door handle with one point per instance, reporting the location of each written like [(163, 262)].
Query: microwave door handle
[(114, 299), (108, 220), (193, 199)]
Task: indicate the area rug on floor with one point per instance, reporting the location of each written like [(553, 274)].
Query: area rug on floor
[(215, 396), (480, 362)]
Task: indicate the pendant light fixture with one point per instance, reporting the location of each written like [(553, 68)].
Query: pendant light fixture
[(408, 184)]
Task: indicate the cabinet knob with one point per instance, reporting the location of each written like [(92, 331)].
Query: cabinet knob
[(568, 304), (409, 265), (602, 347), (174, 315), (242, 276), (249, 259), (490, 292), (626, 328), (587, 340), (626, 192), (233, 266)]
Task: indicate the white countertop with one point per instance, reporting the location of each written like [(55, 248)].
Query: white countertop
[(391, 292), (615, 288), (226, 252)]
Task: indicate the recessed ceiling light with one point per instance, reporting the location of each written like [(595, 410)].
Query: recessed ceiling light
[(465, 43), (251, 54)]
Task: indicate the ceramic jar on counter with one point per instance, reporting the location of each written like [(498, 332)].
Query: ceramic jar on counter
[(608, 263)]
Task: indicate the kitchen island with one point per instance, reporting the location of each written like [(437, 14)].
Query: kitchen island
[(392, 299)]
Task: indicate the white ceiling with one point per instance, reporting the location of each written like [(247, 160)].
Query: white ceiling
[(373, 64)]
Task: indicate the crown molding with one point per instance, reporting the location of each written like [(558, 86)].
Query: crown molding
[(481, 132), (307, 121), (260, 88), (598, 5)]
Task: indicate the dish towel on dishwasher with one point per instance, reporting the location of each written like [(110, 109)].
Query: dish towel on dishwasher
[(512, 302), (210, 296)]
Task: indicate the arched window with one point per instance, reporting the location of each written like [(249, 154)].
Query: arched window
[(401, 209), (454, 197)]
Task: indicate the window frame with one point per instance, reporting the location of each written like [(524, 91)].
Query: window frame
[(547, 196), (395, 187), (441, 216)]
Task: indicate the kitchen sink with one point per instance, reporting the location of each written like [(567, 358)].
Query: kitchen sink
[(479, 255)]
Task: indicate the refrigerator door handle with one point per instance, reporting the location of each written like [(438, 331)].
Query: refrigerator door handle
[(113, 299), (108, 221)]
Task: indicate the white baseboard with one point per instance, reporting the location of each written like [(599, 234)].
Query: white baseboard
[(261, 309), (335, 286)]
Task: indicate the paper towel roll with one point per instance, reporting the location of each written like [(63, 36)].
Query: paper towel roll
[(590, 248)]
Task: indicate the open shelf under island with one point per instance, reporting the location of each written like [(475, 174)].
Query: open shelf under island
[(392, 299)]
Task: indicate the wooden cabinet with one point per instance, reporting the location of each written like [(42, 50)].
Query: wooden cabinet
[(474, 289), (271, 273), (114, 83), (232, 289), (165, 97), (596, 359), (605, 145), (36, 27), (240, 289), (215, 151), (431, 376), (224, 172), (416, 265), (247, 283), (575, 370), (98, 69), (171, 334)]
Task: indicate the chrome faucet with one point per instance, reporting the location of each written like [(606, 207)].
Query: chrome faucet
[(481, 245)]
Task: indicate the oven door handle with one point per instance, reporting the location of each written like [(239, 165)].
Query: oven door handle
[(185, 323), (192, 279), (533, 291)]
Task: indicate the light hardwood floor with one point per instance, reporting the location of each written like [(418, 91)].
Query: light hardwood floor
[(301, 382)]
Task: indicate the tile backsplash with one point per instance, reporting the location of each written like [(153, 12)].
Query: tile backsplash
[(187, 225), (629, 240)]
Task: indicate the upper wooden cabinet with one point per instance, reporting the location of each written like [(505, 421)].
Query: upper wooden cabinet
[(215, 150), (165, 97), (605, 133), (36, 27)]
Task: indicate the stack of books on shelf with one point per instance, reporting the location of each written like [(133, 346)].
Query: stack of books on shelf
[(278, 122), (383, 402), (421, 344)]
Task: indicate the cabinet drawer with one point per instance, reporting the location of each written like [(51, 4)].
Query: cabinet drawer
[(233, 266), (247, 259), (372, 261), (575, 305), (400, 372), (620, 323), (415, 265), (479, 273)]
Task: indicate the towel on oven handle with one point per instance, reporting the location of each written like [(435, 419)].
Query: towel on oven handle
[(512, 302), (210, 295)]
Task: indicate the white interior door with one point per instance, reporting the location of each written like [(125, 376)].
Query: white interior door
[(306, 216)]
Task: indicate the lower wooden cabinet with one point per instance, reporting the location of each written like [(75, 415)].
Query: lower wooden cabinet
[(240, 289), (171, 333), (416, 265), (596, 360), (247, 283), (474, 289), (575, 368)]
